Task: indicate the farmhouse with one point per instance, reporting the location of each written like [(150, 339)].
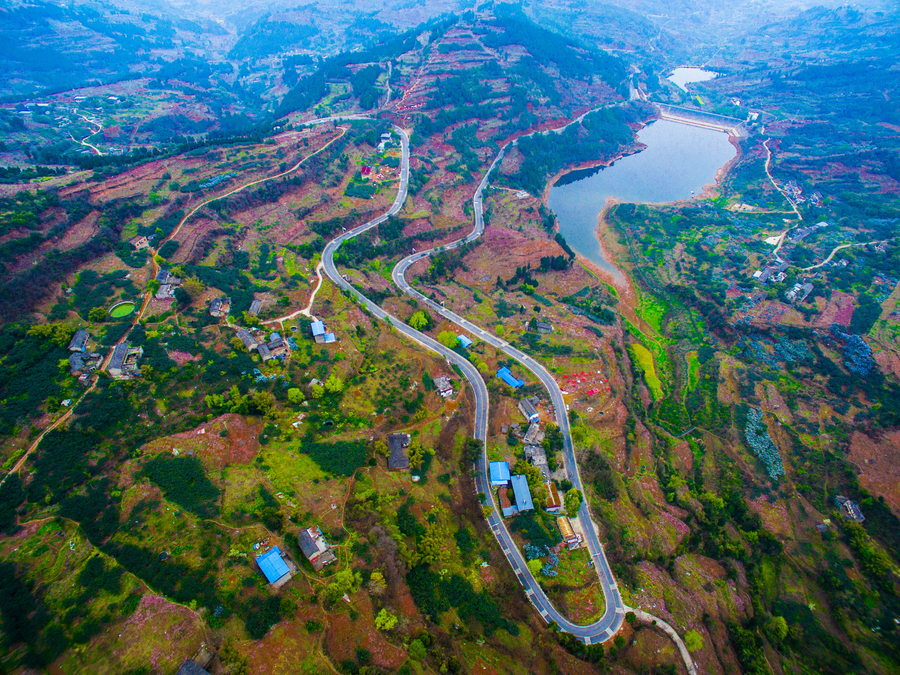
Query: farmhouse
[(139, 242), (275, 566), (315, 548), (123, 363), (220, 307), (464, 341), (264, 352), (80, 362), (522, 493), (544, 327), (538, 457), (507, 508), (166, 292), (79, 341), (320, 334), (526, 407), (568, 534), (849, 509), (554, 502), (499, 473), (397, 457), (505, 375), (255, 306), (534, 435), (443, 386), (247, 338), (166, 277), (799, 292)]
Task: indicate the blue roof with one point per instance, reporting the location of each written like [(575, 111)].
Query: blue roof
[(329, 337), (523, 494), (318, 328), (464, 341), (272, 565), (509, 378), (499, 473)]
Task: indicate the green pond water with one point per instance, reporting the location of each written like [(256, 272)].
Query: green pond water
[(122, 309)]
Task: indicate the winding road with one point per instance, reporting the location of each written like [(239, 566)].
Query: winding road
[(614, 613)]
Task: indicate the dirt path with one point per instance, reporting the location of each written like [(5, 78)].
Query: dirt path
[(769, 174), (306, 311), (84, 141)]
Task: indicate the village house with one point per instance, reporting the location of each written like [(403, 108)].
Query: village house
[(139, 242), (220, 307), (79, 341), (320, 334), (499, 472), (315, 548), (398, 460), (528, 410), (554, 502), (255, 306), (443, 386), (799, 292), (543, 327), (849, 509), (568, 533), (534, 435), (80, 362), (522, 493), (464, 341), (246, 337), (276, 567), (538, 457), (123, 363), (505, 375), (166, 277), (507, 508)]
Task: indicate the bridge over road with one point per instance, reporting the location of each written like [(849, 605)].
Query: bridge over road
[(700, 118)]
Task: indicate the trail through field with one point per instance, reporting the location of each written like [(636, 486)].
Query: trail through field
[(769, 174)]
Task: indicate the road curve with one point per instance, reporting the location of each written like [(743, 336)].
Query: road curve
[(615, 610), (614, 613)]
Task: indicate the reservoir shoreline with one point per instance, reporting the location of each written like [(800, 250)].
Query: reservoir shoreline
[(574, 209)]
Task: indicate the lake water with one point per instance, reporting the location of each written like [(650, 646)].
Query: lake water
[(684, 76), (678, 159)]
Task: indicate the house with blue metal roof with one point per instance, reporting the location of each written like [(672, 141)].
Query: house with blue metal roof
[(318, 328), (499, 473), (273, 565), (522, 493), (510, 379), (464, 341)]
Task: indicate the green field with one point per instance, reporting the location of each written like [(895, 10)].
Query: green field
[(645, 360), (693, 374)]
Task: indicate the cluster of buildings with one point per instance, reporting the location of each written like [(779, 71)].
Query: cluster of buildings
[(796, 194), (82, 362), (773, 272), (273, 347), (168, 282)]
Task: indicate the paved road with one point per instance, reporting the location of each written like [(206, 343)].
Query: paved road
[(614, 613)]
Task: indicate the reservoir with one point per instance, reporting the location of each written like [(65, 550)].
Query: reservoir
[(677, 163), (684, 76)]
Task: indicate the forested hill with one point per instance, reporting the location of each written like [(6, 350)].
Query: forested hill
[(503, 44)]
